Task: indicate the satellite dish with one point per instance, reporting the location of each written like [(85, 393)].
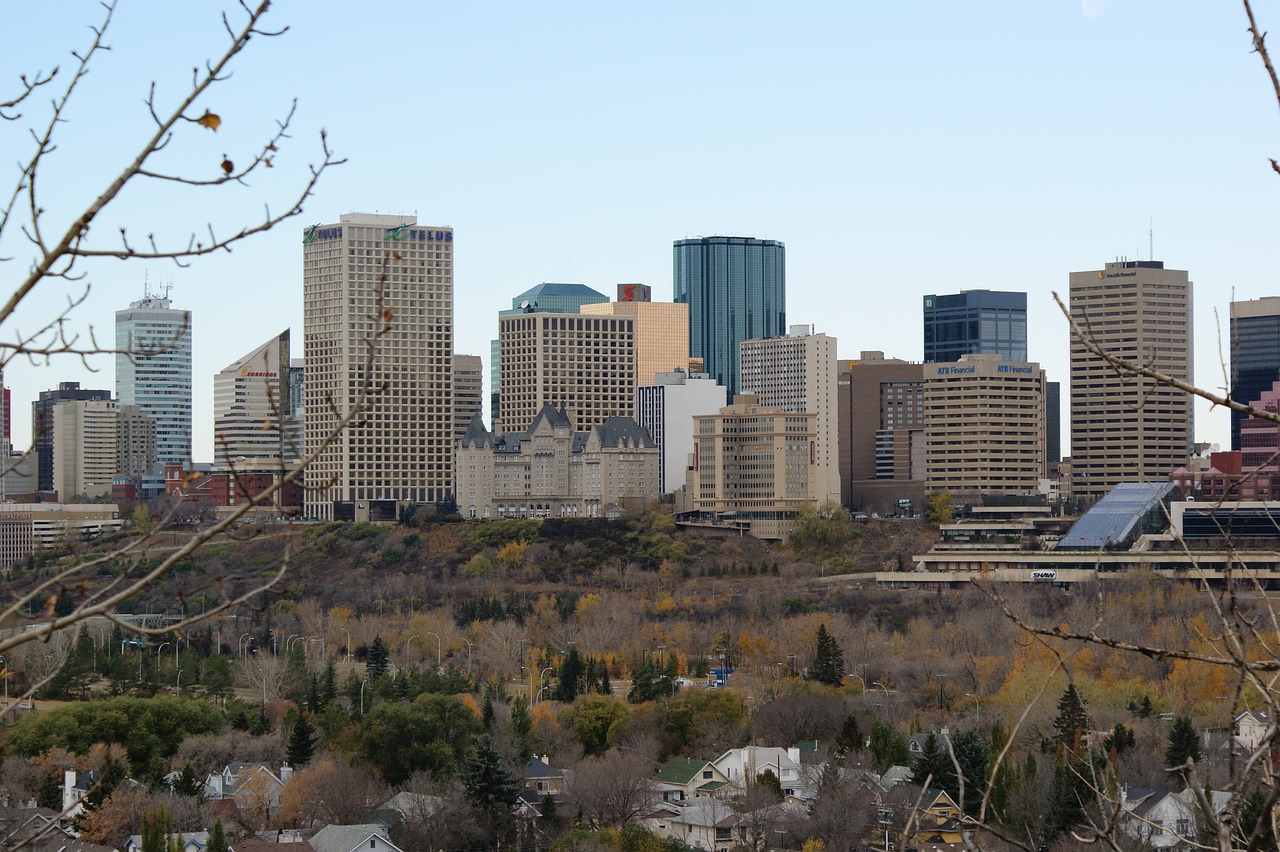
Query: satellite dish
[(524, 306)]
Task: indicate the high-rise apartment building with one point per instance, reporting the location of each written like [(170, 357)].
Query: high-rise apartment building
[(549, 297), (584, 365), (666, 409), (736, 290), (797, 373), (1125, 428), (84, 448), (42, 427), (1255, 354), (881, 425), (984, 427), (990, 322), (754, 466), (468, 392), (135, 442), (153, 371), (662, 330), (355, 272), (251, 406)]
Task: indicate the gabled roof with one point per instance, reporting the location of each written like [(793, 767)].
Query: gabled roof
[(680, 771), (477, 435), (623, 431), (1256, 715), (556, 418), (539, 769), (348, 838)]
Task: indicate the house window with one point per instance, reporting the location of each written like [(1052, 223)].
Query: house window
[(722, 834), (706, 774)]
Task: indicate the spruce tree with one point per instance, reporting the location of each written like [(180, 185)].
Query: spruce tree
[(828, 659), (489, 788), (522, 727), (487, 715), (329, 686), (932, 765), (571, 672), (302, 743), (1184, 745), (1121, 739), (1072, 719), (188, 783), (217, 838), (376, 659), (849, 738), (50, 794), (606, 688)]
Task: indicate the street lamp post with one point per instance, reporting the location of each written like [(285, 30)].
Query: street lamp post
[(886, 693), (439, 656), (348, 632), (542, 675), (242, 647), (179, 683), (977, 705), (470, 645), (362, 683), (409, 644)]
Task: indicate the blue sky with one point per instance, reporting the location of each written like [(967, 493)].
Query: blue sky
[(898, 149)]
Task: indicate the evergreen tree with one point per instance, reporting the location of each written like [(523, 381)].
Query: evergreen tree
[(259, 724), (401, 686), (1121, 739), (487, 715), (50, 793), (217, 838), (113, 772), (313, 693), (329, 686), (932, 766), (828, 659), (489, 788), (849, 738), (188, 783), (156, 828), (768, 780), (887, 746), (972, 754), (643, 685), (1067, 795), (606, 688), (550, 818), (1145, 709), (1184, 745), (376, 659), (302, 743), (522, 727), (571, 672), (1072, 719), (1253, 810)]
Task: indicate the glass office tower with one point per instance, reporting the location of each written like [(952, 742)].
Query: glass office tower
[(736, 290), (1255, 354), (153, 371), (975, 322)]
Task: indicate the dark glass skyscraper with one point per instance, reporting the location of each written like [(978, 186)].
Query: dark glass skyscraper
[(42, 428), (736, 290), (981, 322), (1255, 353)]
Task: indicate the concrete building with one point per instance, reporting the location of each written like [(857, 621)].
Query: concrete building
[(25, 527), (754, 467), (153, 370), (85, 449), (984, 427), (549, 297), (1126, 429), (468, 392), (42, 427), (252, 418), (1255, 354), (584, 365), (402, 451), (736, 290), (881, 439), (666, 410), (662, 330), (990, 322), (135, 442), (797, 373), (552, 470)]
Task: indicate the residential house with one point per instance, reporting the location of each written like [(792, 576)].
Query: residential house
[(939, 820), (741, 766), (50, 844), (189, 841), (254, 787), (541, 778), (704, 822), (23, 824), (283, 843), (370, 837), (1251, 728), (682, 778), (1159, 819)]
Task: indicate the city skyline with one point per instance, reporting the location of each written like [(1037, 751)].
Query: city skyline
[(906, 152)]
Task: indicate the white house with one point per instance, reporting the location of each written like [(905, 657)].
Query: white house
[(1163, 820), (1251, 728), (741, 766)]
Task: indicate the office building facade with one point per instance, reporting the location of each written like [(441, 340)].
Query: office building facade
[(1255, 354), (736, 290), (1123, 428), (401, 451), (666, 409), (252, 413), (662, 332), (581, 364), (754, 466), (988, 322), (135, 442), (984, 427), (153, 370), (468, 392), (84, 449), (881, 439), (42, 427), (797, 373)]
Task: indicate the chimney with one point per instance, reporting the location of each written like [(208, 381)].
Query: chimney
[(68, 787), (286, 772)]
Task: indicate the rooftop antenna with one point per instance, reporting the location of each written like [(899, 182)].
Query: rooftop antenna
[(1151, 237)]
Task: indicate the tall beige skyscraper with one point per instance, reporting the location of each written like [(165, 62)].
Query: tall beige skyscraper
[(798, 373), (357, 271), (1126, 429), (84, 448), (468, 392), (662, 330), (251, 405), (582, 364)]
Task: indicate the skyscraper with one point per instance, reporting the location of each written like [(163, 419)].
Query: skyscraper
[(153, 371), (881, 433), (1255, 354), (975, 322), (85, 452), (468, 392), (662, 330), (356, 272), (42, 428), (251, 406), (1125, 428), (797, 374), (736, 290), (666, 409)]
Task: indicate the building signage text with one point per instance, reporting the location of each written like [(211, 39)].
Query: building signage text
[(955, 371), (315, 232), (404, 232), (1010, 368)]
